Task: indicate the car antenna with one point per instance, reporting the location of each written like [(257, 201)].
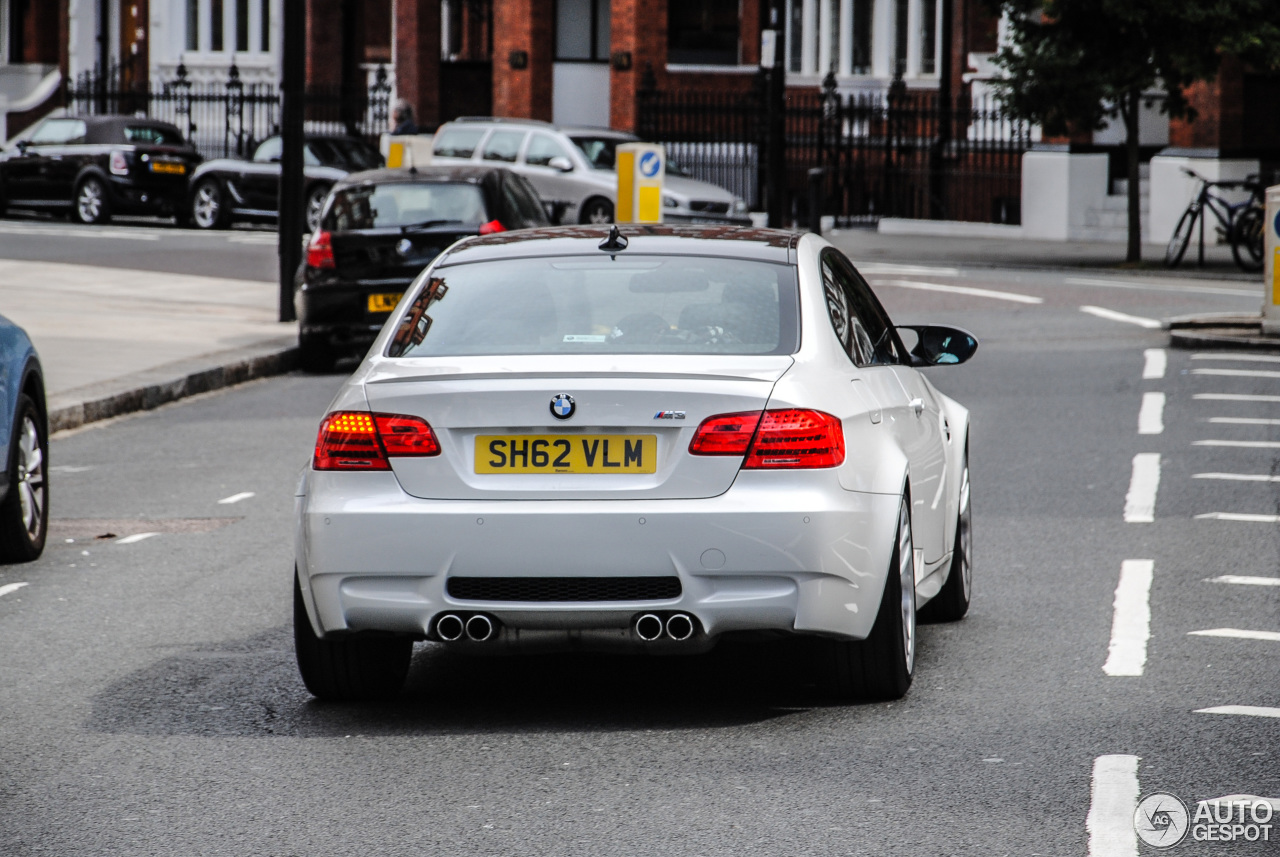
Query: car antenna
[(616, 240)]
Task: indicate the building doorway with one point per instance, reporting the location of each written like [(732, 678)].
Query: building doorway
[(580, 73)]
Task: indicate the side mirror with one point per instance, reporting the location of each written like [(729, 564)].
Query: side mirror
[(22, 146), (936, 345), (561, 163)]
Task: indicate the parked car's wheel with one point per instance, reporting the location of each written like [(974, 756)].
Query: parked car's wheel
[(351, 668), (315, 206), (315, 355), (24, 513), (952, 602), (208, 205), (882, 666), (91, 203), (597, 210)]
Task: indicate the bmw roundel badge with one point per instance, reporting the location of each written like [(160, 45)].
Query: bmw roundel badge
[(404, 247), (562, 406)]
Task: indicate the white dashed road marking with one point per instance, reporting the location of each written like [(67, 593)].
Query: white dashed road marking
[(1245, 580), (1238, 477), (1246, 710), (1246, 358), (1140, 502), (1244, 421), (963, 290), (1238, 634), (1112, 315), (135, 538), (1131, 625), (10, 587), (1235, 397), (1240, 444), (1113, 798), (1151, 414), (1154, 363), (1152, 287), (1239, 516), (1236, 373), (236, 498)]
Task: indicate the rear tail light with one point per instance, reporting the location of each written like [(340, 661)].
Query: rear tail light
[(790, 438), (119, 164), (358, 440), (491, 227), (320, 250)]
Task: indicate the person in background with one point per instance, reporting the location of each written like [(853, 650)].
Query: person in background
[(402, 119)]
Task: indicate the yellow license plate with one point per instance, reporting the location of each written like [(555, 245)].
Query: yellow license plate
[(168, 167), (577, 453), (385, 302)]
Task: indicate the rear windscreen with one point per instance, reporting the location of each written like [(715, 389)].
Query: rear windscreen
[(405, 204), (602, 305), (153, 134)]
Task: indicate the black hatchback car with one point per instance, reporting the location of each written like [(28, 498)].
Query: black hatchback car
[(378, 230), (97, 166)]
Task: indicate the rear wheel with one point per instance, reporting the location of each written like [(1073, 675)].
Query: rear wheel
[(952, 603), (1181, 236), (24, 513), (1247, 239), (315, 206), (208, 205), (882, 666), (597, 210), (348, 669), (91, 202)]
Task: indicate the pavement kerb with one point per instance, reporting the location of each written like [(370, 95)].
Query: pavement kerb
[(1220, 330), (143, 391)]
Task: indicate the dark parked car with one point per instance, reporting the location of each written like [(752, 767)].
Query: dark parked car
[(379, 230), (228, 189), (24, 436), (97, 166)]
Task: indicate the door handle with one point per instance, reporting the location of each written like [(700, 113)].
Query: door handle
[(917, 405)]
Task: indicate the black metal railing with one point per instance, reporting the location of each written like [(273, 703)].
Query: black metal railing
[(901, 153), (231, 117)]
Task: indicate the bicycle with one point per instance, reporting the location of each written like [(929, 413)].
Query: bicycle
[(1241, 223)]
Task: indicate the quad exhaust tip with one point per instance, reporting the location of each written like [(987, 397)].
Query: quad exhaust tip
[(649, 627), (450, 627), (479, 628), (679, 626)]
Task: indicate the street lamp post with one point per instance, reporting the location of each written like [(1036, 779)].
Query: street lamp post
[(291, 134)]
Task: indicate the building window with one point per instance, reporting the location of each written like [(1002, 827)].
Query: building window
[(929, 36), (702, 32), (215, 25), (193, 25), (242, 26), (582, 30), (825, 35), (901, 15), (265, 29)]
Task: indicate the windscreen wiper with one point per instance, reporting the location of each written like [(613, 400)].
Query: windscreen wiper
[(426, 224)]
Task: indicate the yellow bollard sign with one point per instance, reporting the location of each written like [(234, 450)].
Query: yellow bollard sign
[(1271, 263), (642, 168)]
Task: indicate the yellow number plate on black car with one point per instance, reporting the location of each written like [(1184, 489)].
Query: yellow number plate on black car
[(384, 302), (174, 167), (578, 453)]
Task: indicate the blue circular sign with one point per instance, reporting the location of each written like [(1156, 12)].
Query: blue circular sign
[(650, 163), (1276, 225)]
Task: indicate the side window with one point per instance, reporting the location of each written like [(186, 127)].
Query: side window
[(542, 149), (869, 338), (503, 146), (517, 207), (55, 132), (842, 310), (530, 202), (269, 150), (458, 142), (874, 318)]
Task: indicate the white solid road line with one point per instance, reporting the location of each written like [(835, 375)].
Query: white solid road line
[(1238, 477), (1131, 624), (1154, 363), (1235, 397), (1236, 373), (1229, 355), (1239, 516), (1245, 580), (1112, 315), (135, 538), (71, 232), (10, 587), (1246, 710), (1244, 421), (871, 268), (236, 498), (1152, 287), (1237, 634), (1240, 444), (962, 290), (1113, 799), (1151, 414), (1140, 502)]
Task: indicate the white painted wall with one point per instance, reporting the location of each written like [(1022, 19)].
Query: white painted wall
[(580, 93), (1058, 188), (1172, 189)]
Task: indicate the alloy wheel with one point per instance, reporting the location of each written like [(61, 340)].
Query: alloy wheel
[(208, 206), (315, 207), (89, 202), (966, 536), (907, 588), (31, 479)]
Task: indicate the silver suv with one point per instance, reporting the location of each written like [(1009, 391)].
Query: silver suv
[(573, 169)]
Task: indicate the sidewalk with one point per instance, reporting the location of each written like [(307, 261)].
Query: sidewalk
[(112, 341)]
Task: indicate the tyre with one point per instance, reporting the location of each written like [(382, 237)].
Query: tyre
[(952, 602), (348, 669), (91, 203), (1181, 236), (315, 355), (208, 205), (1247, 239), (597, 210), (881, 667), (24, 513), (315, 206)]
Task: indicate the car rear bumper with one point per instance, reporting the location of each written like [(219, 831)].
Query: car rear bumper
[(339, 315), (794, 553), (130, 195)]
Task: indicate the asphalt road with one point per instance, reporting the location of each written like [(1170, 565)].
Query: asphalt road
[(149, 703)]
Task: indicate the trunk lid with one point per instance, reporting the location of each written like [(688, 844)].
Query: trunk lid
[(392, 254), (632, 402)]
